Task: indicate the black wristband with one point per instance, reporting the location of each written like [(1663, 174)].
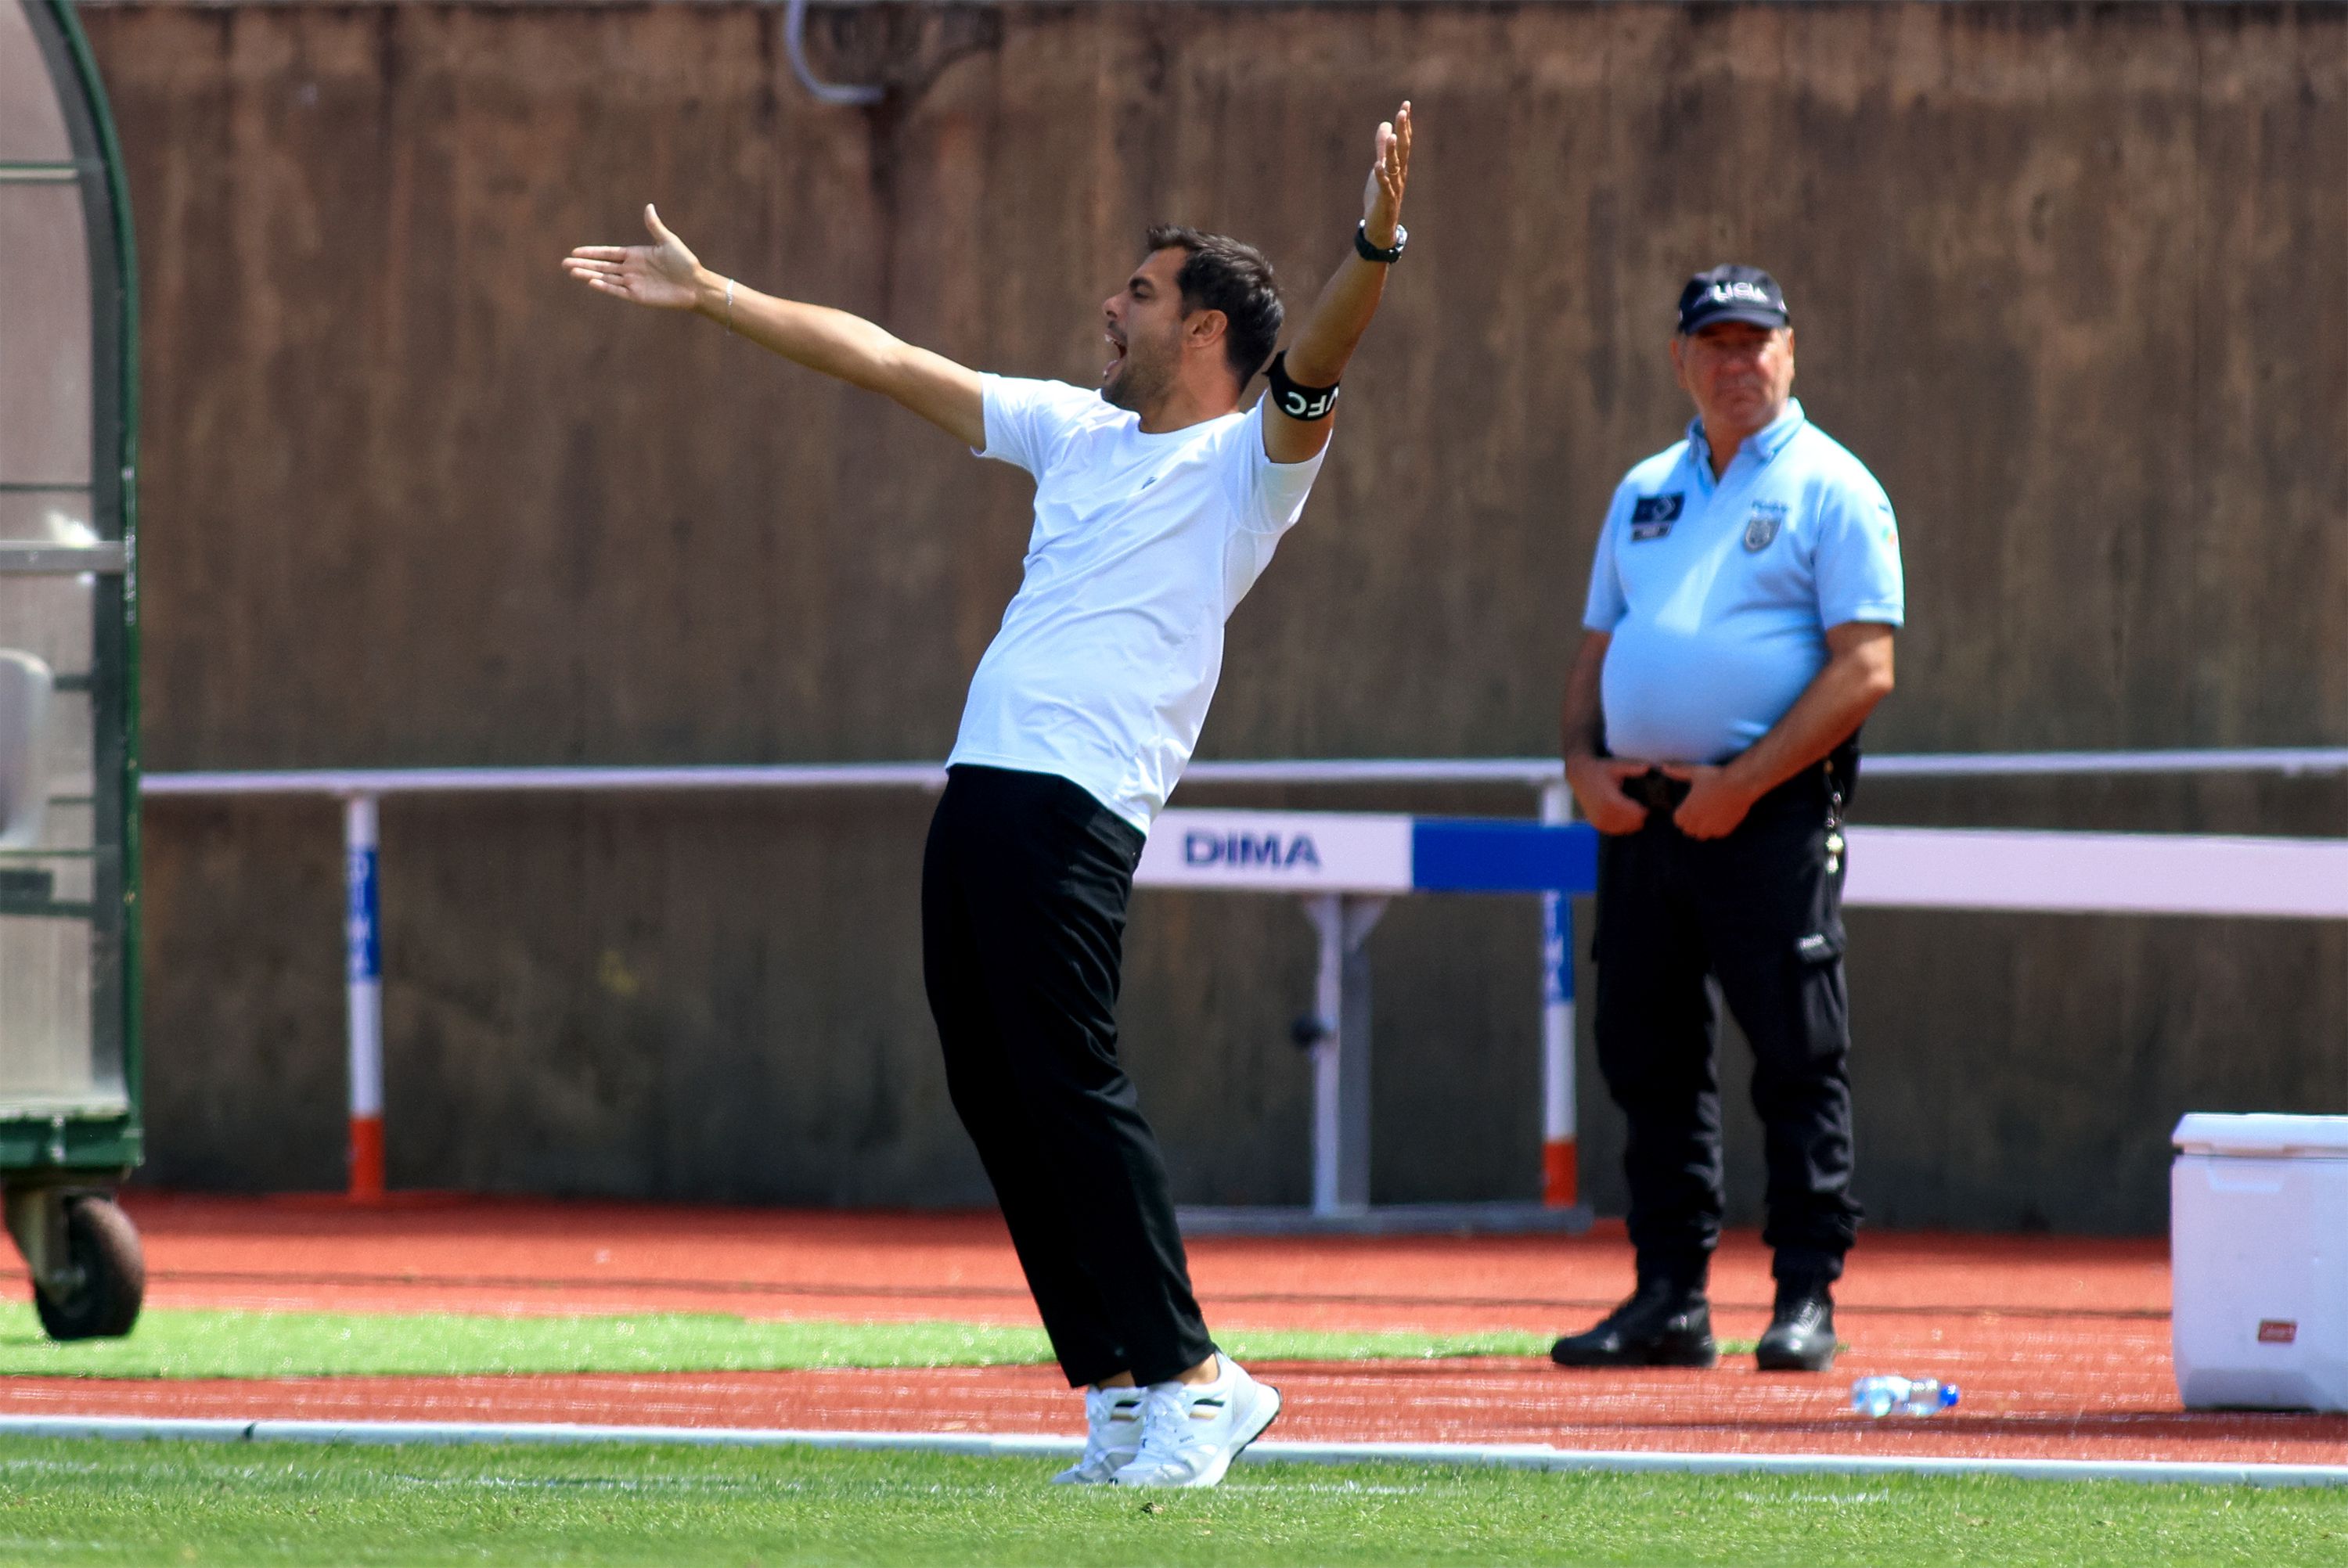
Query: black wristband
[(1305, 403), (1369, 253)]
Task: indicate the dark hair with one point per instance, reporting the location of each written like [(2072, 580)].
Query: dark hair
[(1221, 273)]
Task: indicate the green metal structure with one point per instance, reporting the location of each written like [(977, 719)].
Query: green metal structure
[(69, 1060)]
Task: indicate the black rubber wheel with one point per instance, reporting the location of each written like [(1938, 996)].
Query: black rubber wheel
[(109, 1276)]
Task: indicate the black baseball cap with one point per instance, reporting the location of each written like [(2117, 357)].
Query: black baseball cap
[(1733, 293)]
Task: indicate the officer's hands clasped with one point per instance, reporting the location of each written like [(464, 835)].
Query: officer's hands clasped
[(1623, 795), (1714, 805)]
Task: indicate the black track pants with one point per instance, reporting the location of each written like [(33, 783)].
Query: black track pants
[(1023, 894), (1760, 912)]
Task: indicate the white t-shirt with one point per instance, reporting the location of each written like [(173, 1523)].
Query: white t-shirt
[(1143, 546)]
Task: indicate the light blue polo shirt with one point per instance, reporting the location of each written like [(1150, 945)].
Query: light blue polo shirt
[(1717, 596)]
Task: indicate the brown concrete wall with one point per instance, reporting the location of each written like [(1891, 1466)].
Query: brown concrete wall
[(2068, 278)]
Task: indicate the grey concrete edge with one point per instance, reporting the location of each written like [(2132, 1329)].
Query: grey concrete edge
[(1506, 1456)]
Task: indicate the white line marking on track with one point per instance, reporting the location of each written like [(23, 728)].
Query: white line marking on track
[(1507, 1456)]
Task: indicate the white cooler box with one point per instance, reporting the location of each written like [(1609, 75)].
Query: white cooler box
[(2258, 1240)]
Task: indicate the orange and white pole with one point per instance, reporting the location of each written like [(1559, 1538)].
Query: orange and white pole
[(1560, 1178), (363, 947)]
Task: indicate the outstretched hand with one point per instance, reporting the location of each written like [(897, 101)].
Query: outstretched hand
[(662, 275), (1382, 197)]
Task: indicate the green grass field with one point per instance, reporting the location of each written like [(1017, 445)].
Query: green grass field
[(173, 1504), (193, 1344)]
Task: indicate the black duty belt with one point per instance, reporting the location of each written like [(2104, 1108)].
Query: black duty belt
[(1659, 792), (1656, 790)]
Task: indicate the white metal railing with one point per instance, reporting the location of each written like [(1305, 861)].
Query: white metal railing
[(361, 789), (1528, 772)]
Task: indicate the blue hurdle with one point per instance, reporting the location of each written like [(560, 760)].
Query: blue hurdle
[(1346, 866)]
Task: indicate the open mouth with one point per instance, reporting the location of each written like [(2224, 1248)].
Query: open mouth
[(1116, 354)]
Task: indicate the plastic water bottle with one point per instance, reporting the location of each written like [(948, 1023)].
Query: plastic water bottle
[(1879, 1396)]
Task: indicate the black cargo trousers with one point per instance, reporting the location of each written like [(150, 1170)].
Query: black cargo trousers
[(1759, 912), (1024, 892)]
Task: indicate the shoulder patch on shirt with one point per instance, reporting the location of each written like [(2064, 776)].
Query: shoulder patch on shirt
[(1653, 516), (1762, 528)]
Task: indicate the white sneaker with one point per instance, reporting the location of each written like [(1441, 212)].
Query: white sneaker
[(1112, 1437), (1191, 1432)]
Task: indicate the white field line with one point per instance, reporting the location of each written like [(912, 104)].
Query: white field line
[(1509, 1456)]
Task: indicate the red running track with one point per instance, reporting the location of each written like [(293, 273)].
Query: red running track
[(2061, 1346)]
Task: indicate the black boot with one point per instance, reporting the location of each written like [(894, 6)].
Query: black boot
[(1664, 1324), (1801, 1337)]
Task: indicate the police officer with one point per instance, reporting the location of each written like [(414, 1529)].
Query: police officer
[(1738, 630)]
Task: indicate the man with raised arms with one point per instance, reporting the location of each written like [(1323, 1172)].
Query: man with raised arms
[(1158, 501)]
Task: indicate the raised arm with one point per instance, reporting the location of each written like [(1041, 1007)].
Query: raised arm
[(665, 275), (1319, 354)]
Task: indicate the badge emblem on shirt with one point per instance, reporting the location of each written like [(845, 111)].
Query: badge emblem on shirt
[(1651, 516), (1761, 528)]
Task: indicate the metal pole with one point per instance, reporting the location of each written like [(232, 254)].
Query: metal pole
[(1327, 913), (1362, 915), (363, 948), (1560, 1177), (1341, 1055)]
